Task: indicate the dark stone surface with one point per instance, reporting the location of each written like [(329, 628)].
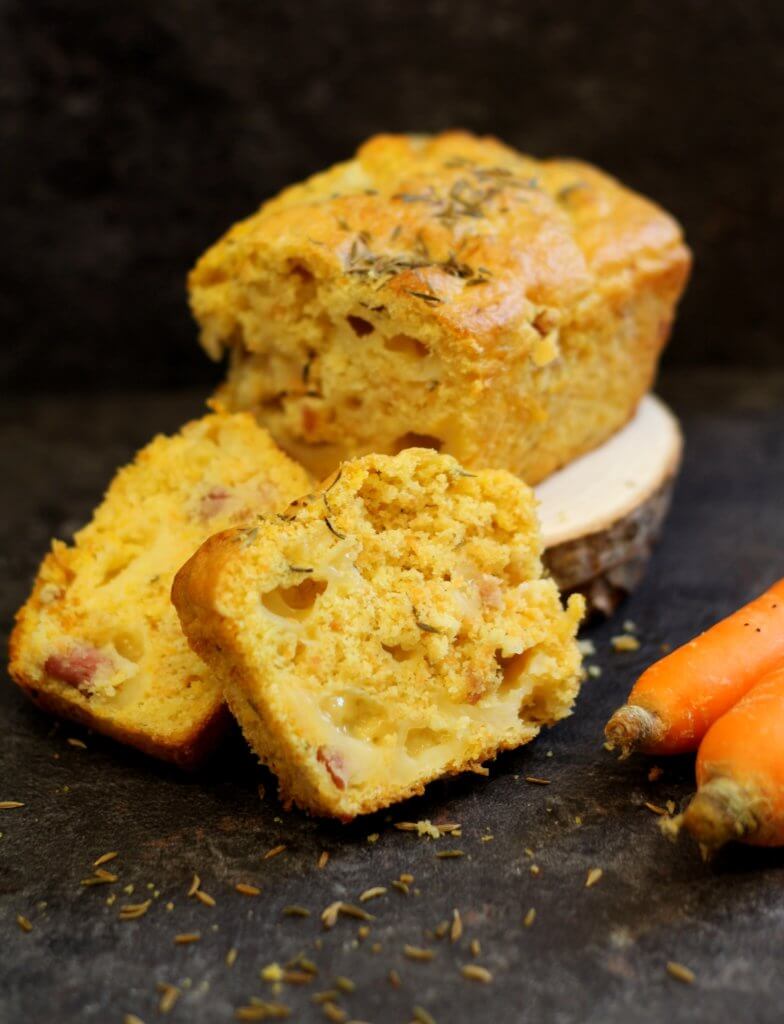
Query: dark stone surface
[(595, 955), (134, 134)]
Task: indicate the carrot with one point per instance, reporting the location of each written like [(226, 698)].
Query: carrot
[(740, 772), (675, 701)]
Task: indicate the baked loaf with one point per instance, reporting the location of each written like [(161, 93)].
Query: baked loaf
[(443, 292), (390, 629), (99, 641)]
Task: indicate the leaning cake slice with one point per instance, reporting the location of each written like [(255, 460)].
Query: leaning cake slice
[(389, 629), (98, 641)]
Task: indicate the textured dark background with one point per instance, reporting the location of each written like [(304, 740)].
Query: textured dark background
[(133, 134)]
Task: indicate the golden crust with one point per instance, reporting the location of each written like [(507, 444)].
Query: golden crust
[(402, 584), (537, 295), (98, 640)]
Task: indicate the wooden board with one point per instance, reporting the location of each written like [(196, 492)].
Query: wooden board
[(602, 514)]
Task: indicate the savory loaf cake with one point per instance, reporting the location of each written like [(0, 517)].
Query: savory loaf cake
[(443, 292), (391, 628), (99, 641)]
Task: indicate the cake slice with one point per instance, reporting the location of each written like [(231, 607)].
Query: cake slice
[(98, 641), (389, 629)]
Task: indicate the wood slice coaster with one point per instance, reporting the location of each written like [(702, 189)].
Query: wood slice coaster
[(602, 514)]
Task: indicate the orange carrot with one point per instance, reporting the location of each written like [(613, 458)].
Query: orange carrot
[(740, 772), (674, 702)]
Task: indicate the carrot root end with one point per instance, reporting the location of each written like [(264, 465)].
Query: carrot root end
[(631, 728), (720, 812)]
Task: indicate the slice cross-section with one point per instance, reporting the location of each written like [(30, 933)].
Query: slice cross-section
[(389, 629)]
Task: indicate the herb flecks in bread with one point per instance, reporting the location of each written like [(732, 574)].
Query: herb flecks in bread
[(389, 629), (98, 640), (446, 292)]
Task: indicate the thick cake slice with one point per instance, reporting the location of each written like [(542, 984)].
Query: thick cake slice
[(389, 629), (99, 641)]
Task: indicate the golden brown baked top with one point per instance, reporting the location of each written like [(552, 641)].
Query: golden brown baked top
[(462, 239)]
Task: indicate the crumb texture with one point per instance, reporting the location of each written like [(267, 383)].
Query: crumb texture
[(389, 629), (99, 640), (434, 290)]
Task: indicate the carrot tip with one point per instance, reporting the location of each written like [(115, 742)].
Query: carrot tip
[(631, 728), (720, 811)]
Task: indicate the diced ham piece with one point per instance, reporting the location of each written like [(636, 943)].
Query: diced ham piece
[(335, 765), (213, 502), (76, 666)]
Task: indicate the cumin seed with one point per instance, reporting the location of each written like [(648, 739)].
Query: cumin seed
[(417, 953), (204, 897), (456, 929), (247, 890), (275, 851), (680, 972), (449, 854), (195, 883), (421, 1016), (373, 893), (323, 858), (294, 910), (185, 938), (594, 876), (476, 973), (9, 805), (169, 996), (24, 923), (529, 918), (105, 858)]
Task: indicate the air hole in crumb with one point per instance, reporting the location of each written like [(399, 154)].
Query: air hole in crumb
[(419, 741), (412, 440), (114, 571), (288, 601), (537, 707), (513, 669), (360, 326), (274, 403), (359, 715), (399, 653), (304, 282), (354, 402), (407, 345)]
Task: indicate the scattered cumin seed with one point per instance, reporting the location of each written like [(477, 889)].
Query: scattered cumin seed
[(654, 808), (406, 878), (441, 929), (204, 897), (536, 781), (394, 978), (131, 1018), (247, 890), (272, 972), (275, 851), (372, 893), (594, 876), (297, 977), (449, 854), (363, 931), (9, 805), (456, 928), (475, 947), (476, 973), (97, 880), (106, 876), (421, 1016), (79, 744), (330, 995), (132, 911), (374, 837), (294, 910), (625, 642), (345, 984), (329, 916), (24, 923), (680, 972), (105, 858), (323, 858), (184, 938), (400, 886), (417, 953), (333, 1012), (169, 996), (529, 918), (195, 883), (231, 956), (535, 870), (262, 1011)]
